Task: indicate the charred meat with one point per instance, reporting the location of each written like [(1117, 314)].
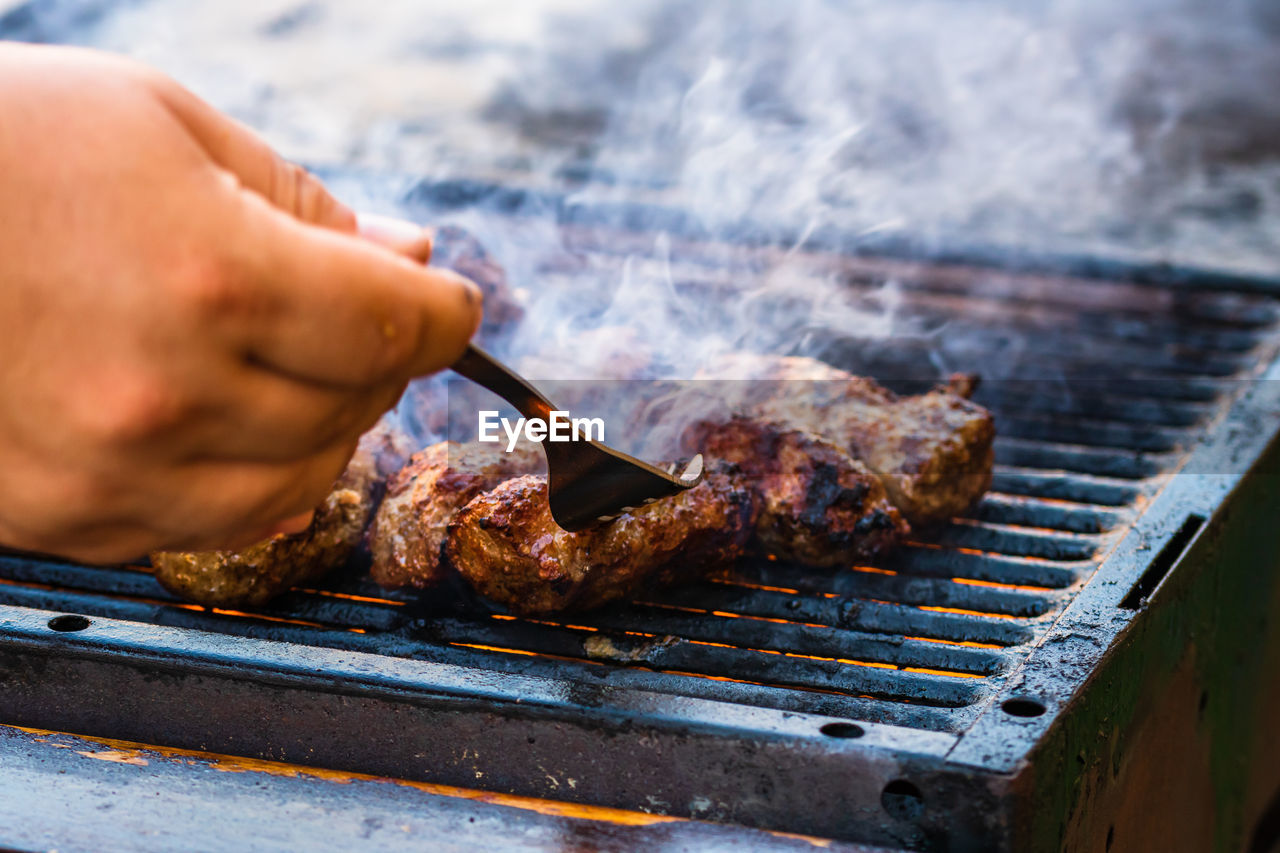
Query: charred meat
[(257, 574), (409, 528), (455, 248), (505, 544), (933, 452), (817, 504)]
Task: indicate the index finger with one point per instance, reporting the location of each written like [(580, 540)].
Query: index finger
[(243, 153), (342, 311)]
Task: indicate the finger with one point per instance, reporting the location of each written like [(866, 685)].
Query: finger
[(286, 185), (236, 148), (100, 541), (346, 312), (220, 502), (292, 526), (105, 543), (288, 527), (402, 237), (273, 418)]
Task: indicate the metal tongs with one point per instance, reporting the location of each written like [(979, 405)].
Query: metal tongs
[(588, 483)]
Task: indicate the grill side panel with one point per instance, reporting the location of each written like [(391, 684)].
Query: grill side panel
[(1157, 726), (513, 735)]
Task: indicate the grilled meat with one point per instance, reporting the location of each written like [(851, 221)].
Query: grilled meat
[(455, 248), (506, 545), (422, 498), (933, 451), (257, 574), (817, 505), (253, 576)]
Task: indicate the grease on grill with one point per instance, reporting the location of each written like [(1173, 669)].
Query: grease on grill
[(602, 647)]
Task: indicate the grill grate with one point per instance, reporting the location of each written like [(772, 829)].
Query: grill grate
[(923, 640)]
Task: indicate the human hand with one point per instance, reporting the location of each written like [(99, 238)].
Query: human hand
[(193, 332)]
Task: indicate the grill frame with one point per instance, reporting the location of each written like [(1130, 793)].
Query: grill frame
[(631, 747)]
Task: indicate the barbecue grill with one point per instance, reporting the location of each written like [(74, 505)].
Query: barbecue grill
[(1054, 666), (1085, 662)]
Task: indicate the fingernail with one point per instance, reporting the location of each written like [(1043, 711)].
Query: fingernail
[(389, 227), (400, 235), (475, 298)]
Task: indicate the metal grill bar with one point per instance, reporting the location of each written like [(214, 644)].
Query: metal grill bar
[(431, 642), (1058, 515), (997, 568), (1080, 488), (1099, 462)]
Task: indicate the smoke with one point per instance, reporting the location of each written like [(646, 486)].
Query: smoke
[(1146, 130)]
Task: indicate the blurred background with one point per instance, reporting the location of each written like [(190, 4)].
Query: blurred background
[(1149, 128)]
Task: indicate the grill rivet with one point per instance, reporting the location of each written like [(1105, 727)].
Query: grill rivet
[(68, 623), (842, 730), (1023, 706), (902, 800)]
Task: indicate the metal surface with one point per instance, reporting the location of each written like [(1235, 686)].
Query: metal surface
[(470, 194), (1171, 703), (587, 482), (69, 788), (885, 704)]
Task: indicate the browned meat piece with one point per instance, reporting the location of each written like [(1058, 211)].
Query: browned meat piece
[(456, 249), (422, 498), (505, 544), (817, 504), (933, 451), (962, 384), (253, 576)]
